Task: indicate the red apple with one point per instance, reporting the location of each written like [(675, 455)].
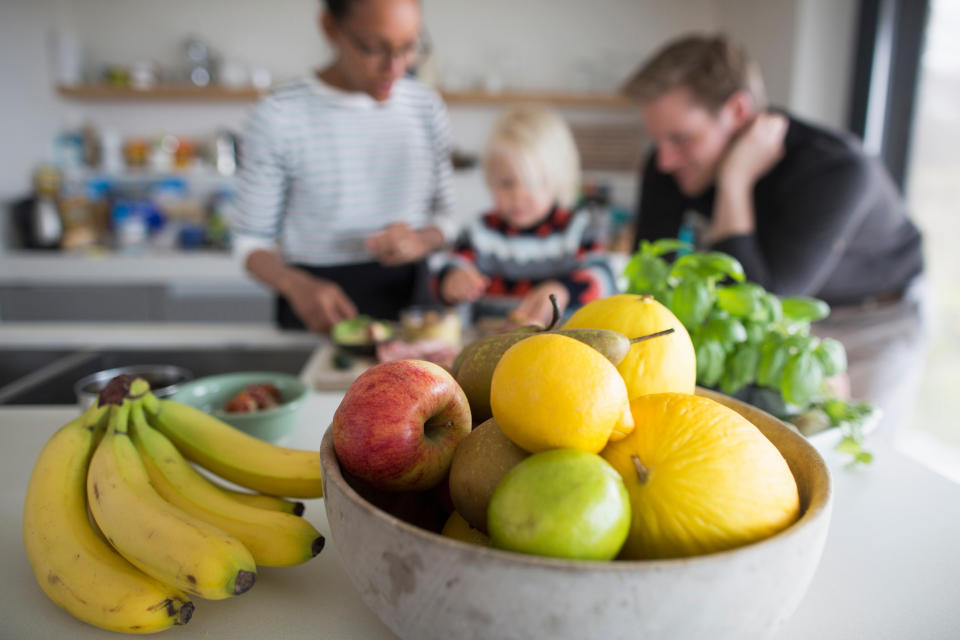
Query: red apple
[(399, 424)]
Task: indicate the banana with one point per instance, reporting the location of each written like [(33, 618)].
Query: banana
[(155, 536), (275, 539), (262, 500), (234, 455), (71, 562)]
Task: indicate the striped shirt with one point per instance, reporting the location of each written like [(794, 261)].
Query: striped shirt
[(323, 169), (564, 247)]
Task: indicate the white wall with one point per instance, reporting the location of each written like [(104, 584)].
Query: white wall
[(29, 115), (804, 47)]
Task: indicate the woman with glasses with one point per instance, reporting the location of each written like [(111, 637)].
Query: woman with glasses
[(344, 188)]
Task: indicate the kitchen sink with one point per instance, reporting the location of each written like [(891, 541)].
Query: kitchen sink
[(47, 377), (17, 363)]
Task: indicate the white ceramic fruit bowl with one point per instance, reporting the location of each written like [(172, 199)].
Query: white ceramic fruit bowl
[(423, 585)]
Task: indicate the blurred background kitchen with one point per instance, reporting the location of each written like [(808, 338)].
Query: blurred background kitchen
[(119, 123)]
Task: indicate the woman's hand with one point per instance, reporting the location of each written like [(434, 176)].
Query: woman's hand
[(536, 306), (463, 285), (318, 303), (400, 244)]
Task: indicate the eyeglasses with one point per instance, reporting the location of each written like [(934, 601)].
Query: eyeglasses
[(385, 54)]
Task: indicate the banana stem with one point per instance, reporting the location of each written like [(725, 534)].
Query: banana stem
[(658, 334), (137, 388), (116, 390)]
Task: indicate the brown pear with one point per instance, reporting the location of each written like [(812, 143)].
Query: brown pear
[(480, 461), (475, 372)]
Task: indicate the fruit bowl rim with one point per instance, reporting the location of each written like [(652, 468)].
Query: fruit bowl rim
[(818, 505)]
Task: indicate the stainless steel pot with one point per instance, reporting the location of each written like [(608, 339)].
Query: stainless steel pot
[(164, 379)]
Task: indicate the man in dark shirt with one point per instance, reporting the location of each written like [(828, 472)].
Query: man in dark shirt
[(803, 208)]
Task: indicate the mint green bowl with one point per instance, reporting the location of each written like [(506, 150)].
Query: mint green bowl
[(211, 394)]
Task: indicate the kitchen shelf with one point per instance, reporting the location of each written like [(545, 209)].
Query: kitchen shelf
[(166, 92), (247, 94), (556, 98)]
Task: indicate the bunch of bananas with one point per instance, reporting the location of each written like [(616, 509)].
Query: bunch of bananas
[(157, 529)]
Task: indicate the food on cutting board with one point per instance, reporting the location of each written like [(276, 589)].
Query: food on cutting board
[(361, 331), (597, 448), (158, 530), (431, 324), (256, 396)]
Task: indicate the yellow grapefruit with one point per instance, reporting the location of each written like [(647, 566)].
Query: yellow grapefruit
[(667, 363)]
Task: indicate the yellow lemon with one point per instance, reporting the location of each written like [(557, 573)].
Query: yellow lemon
[(549, 391), (701, 478), (667, 363)]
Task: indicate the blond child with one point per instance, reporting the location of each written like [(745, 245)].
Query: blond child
[(533, 244)]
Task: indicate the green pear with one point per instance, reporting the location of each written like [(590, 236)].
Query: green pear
[(481, 459)]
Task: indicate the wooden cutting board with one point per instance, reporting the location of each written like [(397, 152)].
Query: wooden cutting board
[(320, 374)]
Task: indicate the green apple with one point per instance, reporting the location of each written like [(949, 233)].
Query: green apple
[(563, 503)]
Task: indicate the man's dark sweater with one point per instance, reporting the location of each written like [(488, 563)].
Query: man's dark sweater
[(829, 221)]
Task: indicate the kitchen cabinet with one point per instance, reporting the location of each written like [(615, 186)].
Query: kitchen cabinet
[(202, 286)]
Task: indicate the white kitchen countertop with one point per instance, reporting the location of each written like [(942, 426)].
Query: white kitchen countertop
[(55, 335), (23, 267), (889, 570)]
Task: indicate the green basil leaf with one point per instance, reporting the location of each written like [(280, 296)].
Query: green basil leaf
[(710, 358), (773, 357), (772, 308), (741, 368), (804, 309), (691, 300), (756, 331), (688, 266), (721, 264), (725, 329), (741, 300), (802, 378), (646, 274), (832, 356), (665, 245)]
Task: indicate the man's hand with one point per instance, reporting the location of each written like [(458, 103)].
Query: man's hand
[(400, 244), (318, 303), (463, 285), (754, 151), (750, 155), (536, 306)]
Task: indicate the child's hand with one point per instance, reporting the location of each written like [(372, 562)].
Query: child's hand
[(463, 285), (536, 305)]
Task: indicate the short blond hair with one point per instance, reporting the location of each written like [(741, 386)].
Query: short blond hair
[(712, 68), (540, 146)]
